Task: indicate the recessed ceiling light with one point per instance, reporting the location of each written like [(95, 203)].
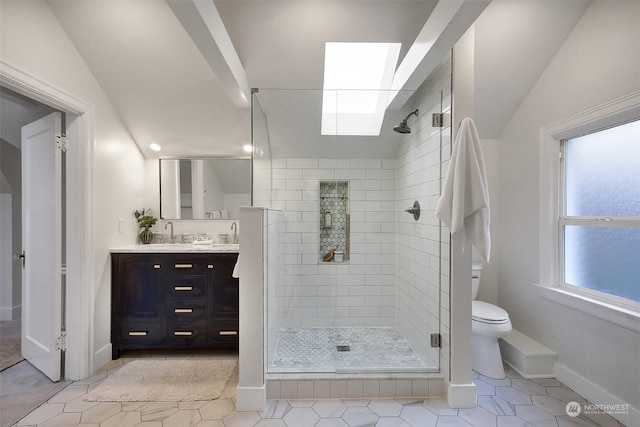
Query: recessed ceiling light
[(248, 148), (155, 147), (357, 79)]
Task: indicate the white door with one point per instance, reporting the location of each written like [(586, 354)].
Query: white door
[(41, 240)]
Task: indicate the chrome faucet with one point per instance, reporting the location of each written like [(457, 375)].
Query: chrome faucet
[(234, 227), (171, 235)]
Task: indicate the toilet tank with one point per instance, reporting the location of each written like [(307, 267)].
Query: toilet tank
[(476, 272)]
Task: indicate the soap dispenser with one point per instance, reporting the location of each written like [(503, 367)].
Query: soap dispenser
[(327, 219)]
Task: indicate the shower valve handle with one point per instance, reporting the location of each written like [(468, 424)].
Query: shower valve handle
[(414, 210)]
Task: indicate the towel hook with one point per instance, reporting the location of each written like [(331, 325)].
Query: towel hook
[(415, 210)]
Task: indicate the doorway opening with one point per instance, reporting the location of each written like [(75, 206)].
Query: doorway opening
[(19, 376), (79, 249)]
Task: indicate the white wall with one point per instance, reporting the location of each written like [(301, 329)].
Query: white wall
[(362, 291), (599, 62), (32, 40), (489, 279), (11, 232), (6, 252)]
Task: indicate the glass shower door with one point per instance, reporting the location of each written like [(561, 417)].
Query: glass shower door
[(373, 307)]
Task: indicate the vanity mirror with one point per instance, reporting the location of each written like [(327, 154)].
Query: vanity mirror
[(204, 188)]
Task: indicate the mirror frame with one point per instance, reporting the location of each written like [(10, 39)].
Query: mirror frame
[(249, 159)]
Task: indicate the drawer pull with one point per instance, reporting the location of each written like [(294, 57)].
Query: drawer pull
[(210, 266), (183, 265), (183, 288), (138, 334), (183, 333), (156, 266), (227, 333), (183, 310)]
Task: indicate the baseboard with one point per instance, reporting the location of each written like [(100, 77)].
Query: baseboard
[(251, 398), (10, 313), (462, 395), (101, 357), (620, 410)]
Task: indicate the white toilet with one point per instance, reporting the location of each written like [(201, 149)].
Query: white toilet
[(488, 323)]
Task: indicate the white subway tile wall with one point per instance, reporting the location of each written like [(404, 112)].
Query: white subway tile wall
[(360, 292), (422, 286), (274, 266)]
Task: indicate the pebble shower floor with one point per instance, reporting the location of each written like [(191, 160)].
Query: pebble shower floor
[(324, 349)]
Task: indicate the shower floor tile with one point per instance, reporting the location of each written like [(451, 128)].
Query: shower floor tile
[(314, 349)]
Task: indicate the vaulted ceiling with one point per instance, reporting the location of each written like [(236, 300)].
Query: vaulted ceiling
[(176, 70), (179, 72)]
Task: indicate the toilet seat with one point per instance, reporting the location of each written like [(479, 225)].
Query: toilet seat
[(488, 313)]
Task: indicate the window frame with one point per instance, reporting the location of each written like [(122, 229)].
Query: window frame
[(552, 216), (587, 221)]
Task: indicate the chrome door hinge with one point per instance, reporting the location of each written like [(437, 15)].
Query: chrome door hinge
[(61, 342), (437, 120), (62, 143), (435, 340), (20, 256)]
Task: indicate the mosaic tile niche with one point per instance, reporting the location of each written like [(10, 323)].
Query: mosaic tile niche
[(334, 203)]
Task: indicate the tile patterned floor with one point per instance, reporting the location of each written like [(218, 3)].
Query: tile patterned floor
[(374, 349), (512, 401)]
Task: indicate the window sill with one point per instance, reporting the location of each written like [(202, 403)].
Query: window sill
[(611, 313)]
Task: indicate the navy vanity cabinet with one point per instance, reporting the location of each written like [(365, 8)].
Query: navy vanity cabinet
[(173, 301), (222, 326), (136, 311), (187, 279)]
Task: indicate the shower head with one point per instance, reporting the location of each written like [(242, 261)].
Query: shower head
[(402, 126)]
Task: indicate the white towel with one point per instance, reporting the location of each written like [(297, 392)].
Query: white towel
[(465, 196), (236, 269)]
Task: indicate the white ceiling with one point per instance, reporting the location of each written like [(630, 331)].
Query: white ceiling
[(151, 59), (179, 84), (514, 43), (281, 43)]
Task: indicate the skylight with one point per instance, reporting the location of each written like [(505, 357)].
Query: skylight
[(357, 77)]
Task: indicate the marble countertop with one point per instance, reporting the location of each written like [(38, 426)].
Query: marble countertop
[(177, 248)]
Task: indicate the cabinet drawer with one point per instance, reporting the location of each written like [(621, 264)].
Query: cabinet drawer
[(223, 331), (183, 286), (139, 332), (188, 264), (185, 332), (185, 309)]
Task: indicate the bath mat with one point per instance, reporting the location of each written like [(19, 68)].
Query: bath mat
[(165, 380), (9, 352)]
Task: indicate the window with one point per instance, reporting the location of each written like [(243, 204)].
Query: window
[(355, 93), (599, 214), (592, 226)]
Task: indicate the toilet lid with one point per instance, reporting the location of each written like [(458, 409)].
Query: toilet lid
[(485, 312)]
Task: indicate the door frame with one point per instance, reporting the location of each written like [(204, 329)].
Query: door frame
[(80, 287)]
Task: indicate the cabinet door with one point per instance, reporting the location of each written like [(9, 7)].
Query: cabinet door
[(223, 295), (139, 288)]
